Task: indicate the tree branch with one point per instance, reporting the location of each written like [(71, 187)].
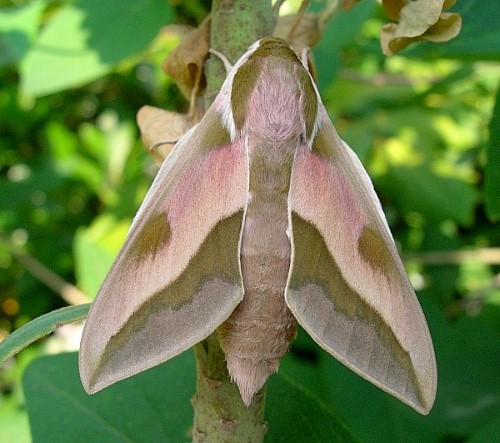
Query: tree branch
[(219, 412)]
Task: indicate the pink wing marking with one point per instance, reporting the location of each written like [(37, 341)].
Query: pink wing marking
[(207, 192)]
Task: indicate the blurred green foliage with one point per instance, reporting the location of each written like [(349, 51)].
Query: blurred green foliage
[(72, 174)]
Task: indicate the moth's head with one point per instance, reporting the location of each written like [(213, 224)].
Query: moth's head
[(273, 64), (274, 47), (272, 42), (286, 58)]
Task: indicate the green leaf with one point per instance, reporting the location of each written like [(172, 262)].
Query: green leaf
[(468, 396), (95, 249), (492, 170), (40, 327), (18, 29), (153, 406), (294, 413), (66, 158), (437, 198), (487, 433), (14, 427), (341, 31), (85, 39)]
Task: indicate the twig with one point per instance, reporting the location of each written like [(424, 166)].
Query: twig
[(300, 14), (489, 256), (68, 292)]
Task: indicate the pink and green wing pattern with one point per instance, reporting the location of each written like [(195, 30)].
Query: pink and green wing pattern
[(347, 285), (151, 307)]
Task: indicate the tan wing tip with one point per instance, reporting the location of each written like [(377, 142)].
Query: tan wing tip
[(419, 393), (93, 379), (88, 381), (97, 377), (95, 382), (250, 375), (88, 388), (426, 381), (85, 376), (423, 407), (428, 398)]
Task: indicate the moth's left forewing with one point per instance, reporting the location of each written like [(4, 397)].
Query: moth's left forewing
[(177, 276), (347, 285)]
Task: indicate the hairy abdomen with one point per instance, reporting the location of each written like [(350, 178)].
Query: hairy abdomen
[(260, 330)]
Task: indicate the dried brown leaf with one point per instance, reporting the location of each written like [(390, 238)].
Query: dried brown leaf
[(306, 32), (392, 8), (447, 27), (418, 20), (185, 63), (161, 129)]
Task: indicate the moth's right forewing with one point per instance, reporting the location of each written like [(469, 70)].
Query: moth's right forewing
[(347, 285), (178, 276)]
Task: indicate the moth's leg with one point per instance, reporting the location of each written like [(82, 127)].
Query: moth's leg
[(223, 58), (304, 57)]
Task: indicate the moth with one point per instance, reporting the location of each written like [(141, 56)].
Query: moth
[(262, 217)]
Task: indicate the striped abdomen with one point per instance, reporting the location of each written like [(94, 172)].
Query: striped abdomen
[(259, 331)]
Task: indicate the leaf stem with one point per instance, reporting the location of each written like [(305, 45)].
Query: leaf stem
[(40, 327)]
